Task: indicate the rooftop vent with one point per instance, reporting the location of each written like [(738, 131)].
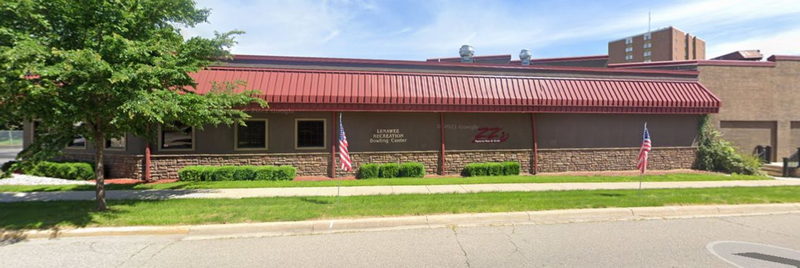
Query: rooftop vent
[(525, 57), (466, 52)]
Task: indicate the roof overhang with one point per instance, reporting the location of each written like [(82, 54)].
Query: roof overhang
[(315, 90)]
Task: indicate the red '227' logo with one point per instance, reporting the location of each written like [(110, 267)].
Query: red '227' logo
[(490, 135)]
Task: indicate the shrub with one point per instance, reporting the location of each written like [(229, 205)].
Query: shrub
[(7, 166), (495, 169), (716, 154), (245, 173), (284, 173), (225, 173), (368, 171), (474, 169), (264, 173), (191, 173), (510, 168), (236, 173), (390, 170), (66, 170), (412, 170), (490, 169)]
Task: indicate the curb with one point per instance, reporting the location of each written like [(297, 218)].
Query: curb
[(244, 230)]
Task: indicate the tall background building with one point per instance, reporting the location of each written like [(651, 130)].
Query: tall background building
[(666, 44)]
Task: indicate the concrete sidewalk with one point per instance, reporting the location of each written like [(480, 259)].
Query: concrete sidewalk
[(266, 229), (375, 190)]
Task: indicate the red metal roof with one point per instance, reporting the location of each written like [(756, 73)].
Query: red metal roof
[(313, 90)]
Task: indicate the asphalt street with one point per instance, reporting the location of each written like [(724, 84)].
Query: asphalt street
[(771, 241), (8, 154)]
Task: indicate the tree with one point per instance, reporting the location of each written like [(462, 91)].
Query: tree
[(103, 68)]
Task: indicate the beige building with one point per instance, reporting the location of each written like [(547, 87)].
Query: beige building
[(760, 99), (666, 44)]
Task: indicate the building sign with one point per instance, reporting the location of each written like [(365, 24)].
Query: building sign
[(490, 135), (387, 135)]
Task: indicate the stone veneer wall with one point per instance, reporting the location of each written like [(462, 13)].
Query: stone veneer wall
[(316, 164), (116, 165), (597, 159), (307, 164)]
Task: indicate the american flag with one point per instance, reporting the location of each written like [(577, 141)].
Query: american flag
[(344, 154), (645, 150)]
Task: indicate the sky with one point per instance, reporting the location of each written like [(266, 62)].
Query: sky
[(421, 29)]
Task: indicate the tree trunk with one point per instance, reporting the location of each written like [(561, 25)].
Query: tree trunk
[(100, 191)]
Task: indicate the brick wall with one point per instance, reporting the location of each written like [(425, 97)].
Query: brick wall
[(316, 164), (560, 160)]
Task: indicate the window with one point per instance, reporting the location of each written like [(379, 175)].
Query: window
[(648, 36), (179, 137), (252, 136), (629, 40), (628, 49), (115, 144), (628, 57), (77, 142), (647, 53), (309, 133), (648, 45)]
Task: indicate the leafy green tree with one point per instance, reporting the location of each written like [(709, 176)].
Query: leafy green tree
[(103, 68)]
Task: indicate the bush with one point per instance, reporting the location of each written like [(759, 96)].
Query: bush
[(284, 173), (490, 169), (66, 170), (368, 171), (390, 170), (236, 173), (510, 168), (412, 170), (7, 166), (717, 154)]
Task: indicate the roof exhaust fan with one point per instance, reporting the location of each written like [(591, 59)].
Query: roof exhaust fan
[(466, 52), (525, 57)]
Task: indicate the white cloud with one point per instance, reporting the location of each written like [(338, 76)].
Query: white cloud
[(437, 28), (783, 43)]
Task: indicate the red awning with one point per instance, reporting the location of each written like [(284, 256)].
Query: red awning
[(316, 90)]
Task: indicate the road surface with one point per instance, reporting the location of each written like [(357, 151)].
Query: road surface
[(8, 154), (651, 243)]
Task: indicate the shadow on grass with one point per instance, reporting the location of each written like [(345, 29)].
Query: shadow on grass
[(316, 201), (611, 194)]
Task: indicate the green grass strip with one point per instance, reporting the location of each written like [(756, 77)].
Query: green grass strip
[(33, 215), (377, 182)]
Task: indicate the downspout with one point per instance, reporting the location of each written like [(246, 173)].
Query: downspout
[(334, 141), (442, 168), (535, 153)]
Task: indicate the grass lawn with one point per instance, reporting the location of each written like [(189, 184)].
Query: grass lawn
[(32, 215), (397, 181)]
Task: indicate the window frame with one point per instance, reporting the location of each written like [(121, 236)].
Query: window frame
[(124, 145), (266, 136), (161, 141), (324, 130)]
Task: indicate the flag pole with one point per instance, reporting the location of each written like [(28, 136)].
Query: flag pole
[(338, 182), (644, 167)]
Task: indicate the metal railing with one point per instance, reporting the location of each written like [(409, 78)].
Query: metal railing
[(10, 138), (791, 162)]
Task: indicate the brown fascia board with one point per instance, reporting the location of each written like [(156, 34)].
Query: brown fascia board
[(425, 65), (743, 63), (775, 58)]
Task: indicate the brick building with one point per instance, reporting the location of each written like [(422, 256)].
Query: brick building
[(667, 44)]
